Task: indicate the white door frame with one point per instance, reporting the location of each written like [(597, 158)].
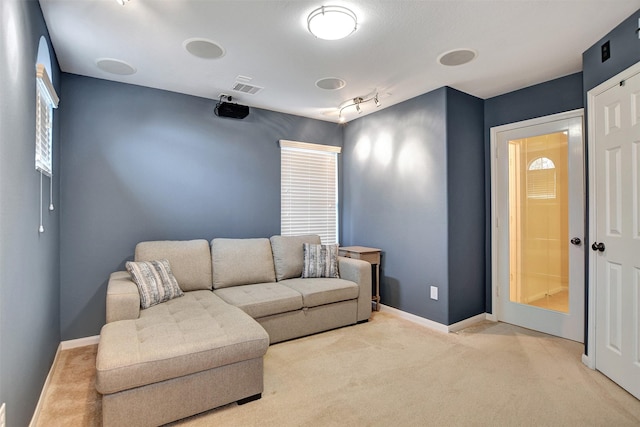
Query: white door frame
[(589, 358), (494, 197)]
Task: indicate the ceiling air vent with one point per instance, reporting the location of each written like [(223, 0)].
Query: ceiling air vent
[(246, 88)]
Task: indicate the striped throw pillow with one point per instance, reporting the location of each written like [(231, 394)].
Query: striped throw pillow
[(155, 281), (320, 261)]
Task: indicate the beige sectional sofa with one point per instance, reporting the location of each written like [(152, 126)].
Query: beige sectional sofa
[(205, 349)]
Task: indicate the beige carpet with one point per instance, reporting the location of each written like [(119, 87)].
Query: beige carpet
[(391, 372)]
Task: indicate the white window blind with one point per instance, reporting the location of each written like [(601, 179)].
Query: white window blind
[(541, 179), (309, 190), (46, 101)]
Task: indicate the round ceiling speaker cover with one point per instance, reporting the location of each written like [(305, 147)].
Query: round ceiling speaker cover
[(203, 48), (115, 66), (457, 57), (331, 83)]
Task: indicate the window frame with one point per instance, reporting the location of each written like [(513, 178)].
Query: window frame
[(300, 153), (46, 101)]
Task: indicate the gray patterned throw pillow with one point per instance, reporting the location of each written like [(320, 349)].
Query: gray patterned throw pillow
[(320, 261), (155, 281)]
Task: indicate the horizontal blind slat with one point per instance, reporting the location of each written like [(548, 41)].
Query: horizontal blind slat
[(309, 193)]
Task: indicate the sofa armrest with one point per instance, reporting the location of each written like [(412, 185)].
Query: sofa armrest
[(358, 271), (123, 298)]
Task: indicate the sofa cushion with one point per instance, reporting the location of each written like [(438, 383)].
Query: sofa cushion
[(320, 261), (241, 262), (154, 280), (262, 299), (288, 254), (190, 260), (185, 335), (323, 291)]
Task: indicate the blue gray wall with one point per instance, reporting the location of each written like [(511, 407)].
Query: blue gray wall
[(466, 211), (29, 261), (625, 51), (144, 164), (555, 96), (398, 166)]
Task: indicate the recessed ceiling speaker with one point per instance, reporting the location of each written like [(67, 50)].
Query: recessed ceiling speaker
[(231, 110), (457, 57), (115, 66), (331, 83), (203, 48)]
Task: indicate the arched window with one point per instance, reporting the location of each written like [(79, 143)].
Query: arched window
[(541, 179)]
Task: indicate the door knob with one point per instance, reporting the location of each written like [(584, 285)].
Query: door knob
[(576, 241), (598, 246)]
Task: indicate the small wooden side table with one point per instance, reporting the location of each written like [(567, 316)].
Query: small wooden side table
[(372, 256)]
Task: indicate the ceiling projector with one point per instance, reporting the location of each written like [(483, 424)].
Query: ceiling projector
[(231, 110)]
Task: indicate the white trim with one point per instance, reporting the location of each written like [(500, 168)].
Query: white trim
[(45, 388), (64, 345), (43, 79), (80, 342), (491, 317), (458, 326), (415, 319), (284, 143), (589, 361), (591, 98), (435, 325)]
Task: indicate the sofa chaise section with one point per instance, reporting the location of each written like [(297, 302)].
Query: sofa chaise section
[(180, 357), (177, 359)]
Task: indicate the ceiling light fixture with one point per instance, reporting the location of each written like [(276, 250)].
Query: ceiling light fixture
[(122, 2), (357, 102), (332, 22)]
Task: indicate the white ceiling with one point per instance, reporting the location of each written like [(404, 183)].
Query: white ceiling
[(394, 51)]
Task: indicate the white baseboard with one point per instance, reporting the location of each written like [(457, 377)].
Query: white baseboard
[(588, 361), (80, 342), (415, 319), (467, 322), (45, 387), (64, 345), (435, 325)]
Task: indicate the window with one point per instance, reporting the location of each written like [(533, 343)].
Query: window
[(309, 190), (46, 101), (541, 179)]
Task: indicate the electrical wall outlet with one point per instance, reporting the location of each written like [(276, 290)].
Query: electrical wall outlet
[(3, 420), (434, 292)]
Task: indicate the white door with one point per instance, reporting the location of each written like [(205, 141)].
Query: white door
[(538, 215), (615, 258)]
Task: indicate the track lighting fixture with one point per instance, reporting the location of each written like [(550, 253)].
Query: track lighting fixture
[(357, 102)]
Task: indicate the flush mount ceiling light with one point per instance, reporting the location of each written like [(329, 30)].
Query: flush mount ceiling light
[(122, 2), (332, 22)]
